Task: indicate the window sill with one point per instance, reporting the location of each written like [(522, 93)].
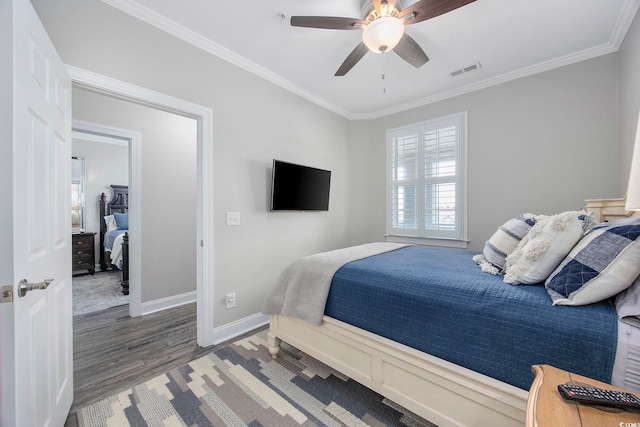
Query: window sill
[(429, 241)]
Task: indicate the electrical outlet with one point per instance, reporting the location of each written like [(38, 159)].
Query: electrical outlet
[(233, 218), (230, 301)]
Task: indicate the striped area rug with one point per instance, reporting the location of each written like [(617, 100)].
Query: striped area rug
[(241, 385)]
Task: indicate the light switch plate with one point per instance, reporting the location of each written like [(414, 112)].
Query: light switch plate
[(230, 300)]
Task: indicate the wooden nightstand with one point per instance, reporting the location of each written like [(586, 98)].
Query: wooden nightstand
[(83, 255), (547, 408)]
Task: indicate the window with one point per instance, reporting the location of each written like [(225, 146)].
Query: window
[(426, 180)]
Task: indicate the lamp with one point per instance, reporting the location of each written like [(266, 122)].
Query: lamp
[(383, 34), (633, 188)]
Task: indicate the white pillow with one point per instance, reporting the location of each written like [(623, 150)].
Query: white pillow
[(110, 220), (604, 263), (544, 247)]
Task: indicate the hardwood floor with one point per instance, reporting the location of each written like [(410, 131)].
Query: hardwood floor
[(113, 352)]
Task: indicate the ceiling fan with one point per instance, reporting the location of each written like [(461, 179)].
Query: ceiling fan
[(382, 28)]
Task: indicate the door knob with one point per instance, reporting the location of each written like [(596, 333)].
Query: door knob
[(24, 286)]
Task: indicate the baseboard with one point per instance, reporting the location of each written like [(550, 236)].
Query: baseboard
[(220, 334), (239, 327), (168, 302)]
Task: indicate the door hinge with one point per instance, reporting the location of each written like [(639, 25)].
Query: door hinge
[(7, 294)]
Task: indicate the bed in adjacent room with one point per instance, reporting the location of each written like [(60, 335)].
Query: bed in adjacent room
[(436, 330), (114, 233)]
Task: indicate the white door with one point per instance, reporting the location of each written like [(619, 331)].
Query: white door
[(36, 359)]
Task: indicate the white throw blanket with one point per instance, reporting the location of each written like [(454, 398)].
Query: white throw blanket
[(116, 251), (303, 287)]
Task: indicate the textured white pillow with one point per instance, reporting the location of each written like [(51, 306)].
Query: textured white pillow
[(544, 247), (110, 221)]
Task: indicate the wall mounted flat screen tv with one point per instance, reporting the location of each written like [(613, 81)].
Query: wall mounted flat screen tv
[(299, 188)]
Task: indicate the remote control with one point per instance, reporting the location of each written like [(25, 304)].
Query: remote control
[(598, 396)]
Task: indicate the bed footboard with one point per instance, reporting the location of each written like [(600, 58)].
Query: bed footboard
[(430, 387)]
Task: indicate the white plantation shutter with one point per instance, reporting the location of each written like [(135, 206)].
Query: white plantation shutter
[(426, 179), (404, 198), (440, 178)]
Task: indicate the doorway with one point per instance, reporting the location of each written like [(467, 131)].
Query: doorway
[(204, 204), (104, 152)]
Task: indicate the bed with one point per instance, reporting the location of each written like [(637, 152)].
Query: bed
[(410, 339), (114, 233)]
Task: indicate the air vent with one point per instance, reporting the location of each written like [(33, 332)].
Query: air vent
[(466, 69)]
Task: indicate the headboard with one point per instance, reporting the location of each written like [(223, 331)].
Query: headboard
[(609, 209), (119, 203)]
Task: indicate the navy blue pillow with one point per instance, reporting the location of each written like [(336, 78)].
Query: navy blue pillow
[(122, 220)]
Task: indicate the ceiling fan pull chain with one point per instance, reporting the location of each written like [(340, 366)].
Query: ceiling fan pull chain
[(384, 79)]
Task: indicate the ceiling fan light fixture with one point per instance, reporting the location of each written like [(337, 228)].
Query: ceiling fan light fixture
[(383, 34)]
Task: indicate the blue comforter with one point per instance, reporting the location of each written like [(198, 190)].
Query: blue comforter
[(438, 301), (110, 237)]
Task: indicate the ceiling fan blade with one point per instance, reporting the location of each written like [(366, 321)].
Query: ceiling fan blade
[(410, 51), (327, 22), (427, 9), (353, 58), (376, 5)]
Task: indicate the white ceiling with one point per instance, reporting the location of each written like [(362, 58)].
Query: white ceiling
[(509, 38)]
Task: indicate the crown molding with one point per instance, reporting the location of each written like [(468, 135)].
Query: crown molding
[(625, 19), (493, 81), (147, 15), (165, 24)]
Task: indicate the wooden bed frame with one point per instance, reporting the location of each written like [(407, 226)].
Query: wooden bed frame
[(439, 391), (119, 203), (608, 209)]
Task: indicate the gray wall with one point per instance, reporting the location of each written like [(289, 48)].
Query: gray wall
[(629, 104), (254, 122), (105, 164), (540, 144)]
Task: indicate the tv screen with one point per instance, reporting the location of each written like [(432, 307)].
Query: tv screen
[(299, 188)]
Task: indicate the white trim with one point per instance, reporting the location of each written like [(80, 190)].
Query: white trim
[(625, 19), (204, 211), (239, 327), (145, 14), (102, 139), (426, 241), (168, 302), (133, 139), (464, 165)]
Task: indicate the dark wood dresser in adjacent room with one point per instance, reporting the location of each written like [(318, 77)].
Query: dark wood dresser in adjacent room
[(83, 253)]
